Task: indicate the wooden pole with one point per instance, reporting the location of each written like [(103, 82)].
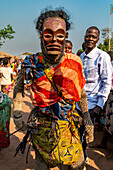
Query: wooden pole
[(109, 31)]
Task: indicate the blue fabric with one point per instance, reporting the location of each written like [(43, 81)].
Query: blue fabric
[(36, 68)]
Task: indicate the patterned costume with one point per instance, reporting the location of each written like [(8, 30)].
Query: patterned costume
[(54, 121)]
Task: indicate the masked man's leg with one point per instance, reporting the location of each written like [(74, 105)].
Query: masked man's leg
[(39, 162)]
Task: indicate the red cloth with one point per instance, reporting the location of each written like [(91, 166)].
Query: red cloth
[(69, 78)]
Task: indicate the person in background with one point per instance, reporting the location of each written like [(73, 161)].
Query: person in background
[(18, 66), (5, 74), (108, 133), (80, 51), (12, 67), (84, 46), (97, 71), (5, 111), (21, 61), (57, 84), (68, 46), (15, 71), (27, 82)]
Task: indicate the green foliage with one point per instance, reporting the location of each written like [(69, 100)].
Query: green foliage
[(104, 46), (105, 35), (6, 33), (27, 53), (81, 50)]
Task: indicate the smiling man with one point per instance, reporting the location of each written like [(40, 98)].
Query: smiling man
[(57, 82), (97, 71)]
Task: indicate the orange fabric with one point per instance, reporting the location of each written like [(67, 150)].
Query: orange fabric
[(69, 78)]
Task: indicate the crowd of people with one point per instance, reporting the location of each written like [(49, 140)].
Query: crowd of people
[(9, 68), (68, 92)]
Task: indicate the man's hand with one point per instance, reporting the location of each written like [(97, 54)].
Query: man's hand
[(95, 111)]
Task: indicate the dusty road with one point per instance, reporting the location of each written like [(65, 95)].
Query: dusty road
[(97, 157)]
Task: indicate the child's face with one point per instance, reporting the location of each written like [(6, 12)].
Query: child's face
[(68, 48)]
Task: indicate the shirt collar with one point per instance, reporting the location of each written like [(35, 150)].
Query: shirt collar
[(91, 53)]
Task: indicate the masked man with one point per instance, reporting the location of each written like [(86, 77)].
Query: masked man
[(57, 82)]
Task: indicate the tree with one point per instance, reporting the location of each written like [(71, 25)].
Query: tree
[(6, 33), (105, 35)]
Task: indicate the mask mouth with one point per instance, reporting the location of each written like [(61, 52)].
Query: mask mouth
[(50, 55), (53, 48)]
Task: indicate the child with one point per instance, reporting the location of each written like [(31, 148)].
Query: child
[(5, 74)]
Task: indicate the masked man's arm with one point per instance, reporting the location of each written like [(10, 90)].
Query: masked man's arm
[(83, 105), (89, 128), (18, 95)]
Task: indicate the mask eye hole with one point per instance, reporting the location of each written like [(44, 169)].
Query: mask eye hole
[(60, 36), (47, 36)]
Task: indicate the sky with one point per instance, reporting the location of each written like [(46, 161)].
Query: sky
[(22, 15)]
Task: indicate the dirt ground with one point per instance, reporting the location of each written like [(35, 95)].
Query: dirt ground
[(97, 157)]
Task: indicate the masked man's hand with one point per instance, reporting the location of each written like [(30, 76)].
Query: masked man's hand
[(89, 127)]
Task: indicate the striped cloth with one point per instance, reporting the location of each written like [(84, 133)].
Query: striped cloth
[(68, 76)]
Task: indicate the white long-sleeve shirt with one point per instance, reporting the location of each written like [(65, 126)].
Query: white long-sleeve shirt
[(97, 70)]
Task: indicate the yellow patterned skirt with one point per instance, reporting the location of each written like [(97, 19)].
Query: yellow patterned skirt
[(56, 143)]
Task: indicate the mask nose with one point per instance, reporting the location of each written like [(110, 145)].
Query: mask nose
[(54, 37)]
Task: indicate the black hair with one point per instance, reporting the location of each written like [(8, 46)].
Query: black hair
[(5, 61), (68, 41), (93, 27), (59, 12), (111, 54)]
